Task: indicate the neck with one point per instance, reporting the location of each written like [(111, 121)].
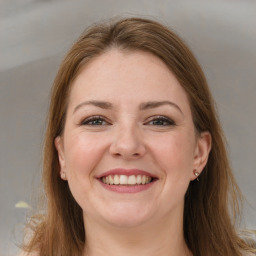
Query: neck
[(164, 238)]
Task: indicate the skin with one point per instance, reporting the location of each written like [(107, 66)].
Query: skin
[(125, 136)]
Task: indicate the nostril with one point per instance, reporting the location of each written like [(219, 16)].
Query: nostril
[(127, 146)]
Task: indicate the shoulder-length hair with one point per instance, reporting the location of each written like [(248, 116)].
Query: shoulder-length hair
[(211, 205)]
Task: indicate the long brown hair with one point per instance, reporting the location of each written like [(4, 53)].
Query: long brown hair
[(211, 205)]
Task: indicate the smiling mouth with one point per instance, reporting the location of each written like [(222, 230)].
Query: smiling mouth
[(125, 180)]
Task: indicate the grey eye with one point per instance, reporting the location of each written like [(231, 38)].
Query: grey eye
[(95, 121), (161, 121)]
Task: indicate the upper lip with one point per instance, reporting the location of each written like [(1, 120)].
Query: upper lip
[(127, 172)]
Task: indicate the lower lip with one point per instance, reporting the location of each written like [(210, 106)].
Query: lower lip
[(127, 188)]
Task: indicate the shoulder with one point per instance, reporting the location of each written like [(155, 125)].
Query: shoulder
[(28, 254), (249, 237)]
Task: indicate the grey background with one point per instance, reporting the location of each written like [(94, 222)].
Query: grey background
[(34, 35)]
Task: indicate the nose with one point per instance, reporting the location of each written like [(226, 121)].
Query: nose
[(127, 143)]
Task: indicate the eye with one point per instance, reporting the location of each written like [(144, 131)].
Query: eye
[(95, 121), (161, 121)]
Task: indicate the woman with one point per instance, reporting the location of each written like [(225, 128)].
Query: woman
[(134, 157)]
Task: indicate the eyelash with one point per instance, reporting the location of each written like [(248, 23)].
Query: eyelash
[(165, 121), (100, 121), (90, 121)]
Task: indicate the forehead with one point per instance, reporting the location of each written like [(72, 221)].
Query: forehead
[(118, 74)]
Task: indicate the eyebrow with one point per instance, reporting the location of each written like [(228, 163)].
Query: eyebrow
[(143, 106), (96, 103), (155, 104)]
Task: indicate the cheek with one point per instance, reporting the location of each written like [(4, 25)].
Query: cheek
[(175, 154), (83, 154)]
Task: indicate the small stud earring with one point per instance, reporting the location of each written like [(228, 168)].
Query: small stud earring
[(63, 175), (196, 174)]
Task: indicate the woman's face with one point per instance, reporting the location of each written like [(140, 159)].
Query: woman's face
[(129, 147)]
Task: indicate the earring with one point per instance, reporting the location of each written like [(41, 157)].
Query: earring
[(63, 175), (196, 174)]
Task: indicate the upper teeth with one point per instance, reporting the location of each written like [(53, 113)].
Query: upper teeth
[(126, 180)]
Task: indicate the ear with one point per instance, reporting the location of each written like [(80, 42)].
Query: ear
[(60, 149), (202, 150)]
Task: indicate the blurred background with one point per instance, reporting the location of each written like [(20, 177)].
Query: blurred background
[(34, 36)]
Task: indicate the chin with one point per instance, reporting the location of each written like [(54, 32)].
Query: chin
[(127, 217)]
